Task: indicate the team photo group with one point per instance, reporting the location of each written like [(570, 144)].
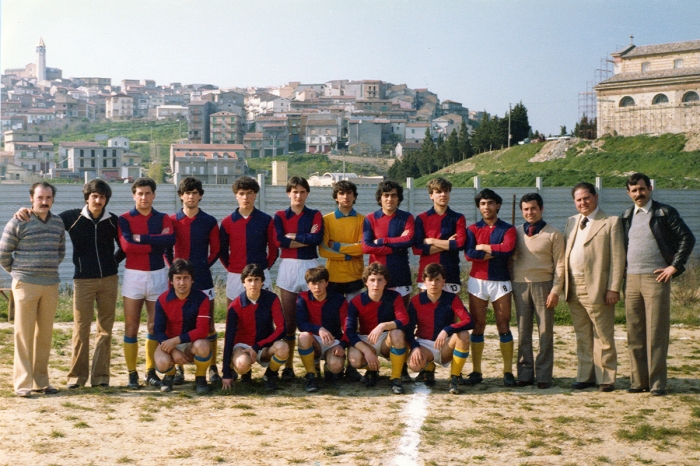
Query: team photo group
[(346, 314)]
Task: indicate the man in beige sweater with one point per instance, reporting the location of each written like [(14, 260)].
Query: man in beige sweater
[(538, 269)]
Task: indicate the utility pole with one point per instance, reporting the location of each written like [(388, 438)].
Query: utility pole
[(509, 112)]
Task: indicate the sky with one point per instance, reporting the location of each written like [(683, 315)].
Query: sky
[(485, 54)]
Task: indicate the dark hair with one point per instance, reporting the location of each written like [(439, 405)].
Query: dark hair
[(144, 181), (99, 187), (298, 181), (432, 271), (488, 194), (439, 184), (316, 274), (529, 197), (634, 179), (344, 186), (252, 270), (385, 187), (375, 268), (179, 267), (43, 184), (245, 183), (190, 184), (583, 185)]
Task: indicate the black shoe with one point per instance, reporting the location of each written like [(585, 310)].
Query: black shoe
[(396, 386), (508, 379), (453, 385), (49, 390), (329, 376), (288, 374), (405, 378), (200, 383), (179, 377), (582, 385), (461, 380), (214, 377), (606, 387), (245, 378), (637, 390), (101, 385), (133, 381), (311, 383), (167, 384), (270, 379), (659, 392), (371, 378), (73, 386), (352, 374), (427, 377), (523, 383), (474, 378), (544, 385), (152, 379)]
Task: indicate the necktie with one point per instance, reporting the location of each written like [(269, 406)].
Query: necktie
[(531, 230), (584, 222)]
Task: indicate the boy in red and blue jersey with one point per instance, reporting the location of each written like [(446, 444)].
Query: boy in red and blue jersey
[(181, 327), (247, 237), (197, 240), (299, 230), (381, 317), (254, 331), (440, 234), (321, 315), (144, 235), (490, 244), (438, 330)]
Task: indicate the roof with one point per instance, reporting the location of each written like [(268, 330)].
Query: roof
[(419, 124), (647, 75), (250, 136), (79, 144), (33, 144), (209, 154), (672, 47), (321, 123), (207, 147)]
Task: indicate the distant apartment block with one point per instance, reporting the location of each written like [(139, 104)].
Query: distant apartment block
[(415, 131), (164, 112), (321, 134), (253, 143), (225, 128), (211, 163), (96, 160), (119, 107), (365, 136)]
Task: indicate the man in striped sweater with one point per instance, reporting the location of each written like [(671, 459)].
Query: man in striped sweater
[(31, 252)]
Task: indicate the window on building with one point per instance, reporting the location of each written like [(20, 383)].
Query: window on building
[(92, 163), (114, 163), (114, 153), (691, 97), (92, 153), (627, 101), (82, 153), (645, 66), (678, 63), (187, 170), (659, 99), (225, 170), (82, 163), (104, 163), (201, 170)]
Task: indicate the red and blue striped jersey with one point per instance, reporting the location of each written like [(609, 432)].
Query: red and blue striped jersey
[(368, 314), (247, 241), (258, 324), (286, 221), (187, 318), (427, 319), (331, 314), (157, 235), (502, 238), (196, 240), (431, 225), (383, 240)]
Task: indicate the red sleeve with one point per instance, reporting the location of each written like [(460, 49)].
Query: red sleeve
[(278, 319), (400, 312), (465, 319), (214, 244), (508, 244), (272, 245), (368, 246), (125, 240), (343, 321), (461, 238), (403, 241), (203, 320)]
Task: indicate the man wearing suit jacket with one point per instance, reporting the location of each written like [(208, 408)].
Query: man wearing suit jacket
[(594, 270)]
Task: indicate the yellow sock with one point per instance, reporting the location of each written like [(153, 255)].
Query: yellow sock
[(477, 351), (131, 352), (397, 356), (213, 339), (507, 345), (307, 358), (430, 367), (151, 345), (201, 365), (170, 371), (291, 342), (276, 363), (459, 358)]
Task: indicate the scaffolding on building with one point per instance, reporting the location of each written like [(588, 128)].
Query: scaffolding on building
[(587, 102)]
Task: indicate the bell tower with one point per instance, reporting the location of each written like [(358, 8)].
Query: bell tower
[(41, 61)]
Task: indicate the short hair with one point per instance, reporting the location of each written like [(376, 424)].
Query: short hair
[(43, 184), (316, 274), (439, 184), (252, 270), (179, 267), (298, 181), (634, 179), (99, 187), (245, 183), (529, 197), (488, 194), (375, 268), (583, 185), (385, 187), (432, 271), (143, 181), (344, 186), (190, 184)]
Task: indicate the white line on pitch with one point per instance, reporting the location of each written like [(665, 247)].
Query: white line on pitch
[(415, 413)]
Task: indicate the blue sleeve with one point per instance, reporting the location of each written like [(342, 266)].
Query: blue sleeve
[(279, 228), (230, 337), (160, 323), (410, 329), (351, 325), (303, 318)]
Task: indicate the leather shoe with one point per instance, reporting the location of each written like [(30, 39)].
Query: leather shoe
[(582, 385), (544, 385), (50, 390), (606, 387), (660, 392), (73, 386), (523, 383), (637, 390)]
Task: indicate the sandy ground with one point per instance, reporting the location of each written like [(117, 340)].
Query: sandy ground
[(348, 424)]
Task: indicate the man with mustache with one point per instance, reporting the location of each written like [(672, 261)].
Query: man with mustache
[(658, 245)]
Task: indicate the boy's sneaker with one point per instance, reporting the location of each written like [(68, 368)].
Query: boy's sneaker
[(214, 377), (474, 378), (152, 379), (371, 378), (245, 378), (287, 374), (270, 379), (167, 385), (179, 377), (508, 379), (352, 374), (427, 377), (133, 381), (396, 386), (461, 380), (453, 385), (200, 383), (405, 378), (311, 383)]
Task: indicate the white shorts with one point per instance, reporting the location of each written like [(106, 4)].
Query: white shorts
[(290, 275), (184, 347), (377, 346), (488, 289), (449, 287), (349, 296), (257, 359), (211, 294), (139, 284), (234, 285), (437, 354), (324, 348), (402, 290)]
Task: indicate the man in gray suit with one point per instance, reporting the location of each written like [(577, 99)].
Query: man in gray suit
[(594, 271)]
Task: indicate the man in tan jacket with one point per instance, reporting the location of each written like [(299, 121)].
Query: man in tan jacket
[(594, 270)]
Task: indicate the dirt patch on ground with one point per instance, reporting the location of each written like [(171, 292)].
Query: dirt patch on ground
[(553, 150), (692, 143)]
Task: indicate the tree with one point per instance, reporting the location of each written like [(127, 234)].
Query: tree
[(452, 148), (428, 154), (519, 124), (464, 145), (562, 131), (587, 129)]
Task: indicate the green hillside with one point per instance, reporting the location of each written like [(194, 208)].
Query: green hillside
[(307, 164)]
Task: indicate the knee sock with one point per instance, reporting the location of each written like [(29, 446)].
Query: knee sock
[(170, 371), (507, 351), (307, 358), (201, 365), (397, 356), (213, 339), (459, 357), (291, 342), (477, 351), (131, 352), (430, 367), (151, 345), (276, 363)]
